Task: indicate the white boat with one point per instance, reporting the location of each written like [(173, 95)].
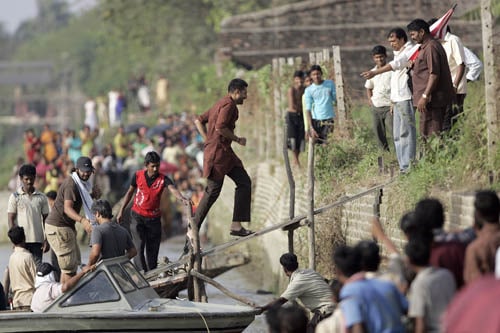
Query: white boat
[(116, 298)]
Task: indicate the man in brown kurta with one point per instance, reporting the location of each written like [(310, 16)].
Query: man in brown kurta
[(432, 85), (480, 254), (216, 126)]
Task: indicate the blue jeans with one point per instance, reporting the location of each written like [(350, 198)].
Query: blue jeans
[(405, 134)]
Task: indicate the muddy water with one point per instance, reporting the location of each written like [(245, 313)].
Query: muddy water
[(236, 280)]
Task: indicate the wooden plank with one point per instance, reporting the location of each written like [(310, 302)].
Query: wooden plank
[(223, 289), (296, 220)]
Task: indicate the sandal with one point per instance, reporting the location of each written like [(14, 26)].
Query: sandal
[(241, 233)]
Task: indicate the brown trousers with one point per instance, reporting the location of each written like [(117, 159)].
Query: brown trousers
[(242, 196), (431, 122)]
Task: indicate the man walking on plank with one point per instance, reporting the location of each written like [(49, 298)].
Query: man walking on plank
[(216, 126)]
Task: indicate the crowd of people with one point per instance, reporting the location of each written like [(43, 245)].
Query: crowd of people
[(65, 174), (149, 163), (428, 73), (418, 290)]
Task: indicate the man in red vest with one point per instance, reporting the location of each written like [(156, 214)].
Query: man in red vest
[(145, 223)]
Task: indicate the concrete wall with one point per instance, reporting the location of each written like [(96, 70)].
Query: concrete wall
[(347, 224), (356, 25)]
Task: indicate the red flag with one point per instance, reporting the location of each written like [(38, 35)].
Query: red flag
[(437, 29)]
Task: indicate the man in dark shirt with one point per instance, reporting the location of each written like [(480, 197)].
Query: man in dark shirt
[(60, 224), (216, 126), (109, 239), (146, 215), (431, 78)]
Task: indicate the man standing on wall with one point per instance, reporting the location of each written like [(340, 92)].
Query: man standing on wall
[(378, 91), (322, 95), (216, 126), (432, 86), (404, 131)]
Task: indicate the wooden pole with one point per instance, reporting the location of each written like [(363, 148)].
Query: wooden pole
[(278, 125), (277, 104), (339, 87), (195, 258), (300, 219), (222, 288), (310, 195), (312, 58), (289, 174), (490, 78), (291, 186)]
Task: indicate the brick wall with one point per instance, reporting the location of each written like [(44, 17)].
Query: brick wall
[(349, 223), (356, 25)]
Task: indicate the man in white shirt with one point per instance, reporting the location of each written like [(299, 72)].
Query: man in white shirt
[(309, 287), (404, 131), (47, 289), (378, 90), (473, 65)]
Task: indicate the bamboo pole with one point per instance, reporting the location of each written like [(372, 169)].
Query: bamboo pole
[(300, 219), (222, 288), (490, 78), (310, 195)]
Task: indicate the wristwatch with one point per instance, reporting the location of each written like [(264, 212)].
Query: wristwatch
[(424, 96)]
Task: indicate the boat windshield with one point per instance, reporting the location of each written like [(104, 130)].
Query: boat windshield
[(97, 290), (138, 279), (122, 278)]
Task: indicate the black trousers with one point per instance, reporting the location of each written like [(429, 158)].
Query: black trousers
[(146, 235), (242, 196)]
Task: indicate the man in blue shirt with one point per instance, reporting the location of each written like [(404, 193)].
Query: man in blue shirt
[(368, 305), (322, 95)]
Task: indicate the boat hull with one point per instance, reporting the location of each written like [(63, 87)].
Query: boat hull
[(124, 322)]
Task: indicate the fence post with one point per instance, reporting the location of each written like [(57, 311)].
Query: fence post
[(490, 78), (339, 87), (278, 125), (276, 105), (312, 58), (310, 212)]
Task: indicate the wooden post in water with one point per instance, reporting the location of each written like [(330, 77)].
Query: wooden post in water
[(310, 211), (195, 260), (490, 80)]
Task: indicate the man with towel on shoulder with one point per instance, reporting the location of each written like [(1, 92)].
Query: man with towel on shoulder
[(75, 192)]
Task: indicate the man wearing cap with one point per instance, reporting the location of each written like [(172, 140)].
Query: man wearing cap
[(47, 289), (73, 194)]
